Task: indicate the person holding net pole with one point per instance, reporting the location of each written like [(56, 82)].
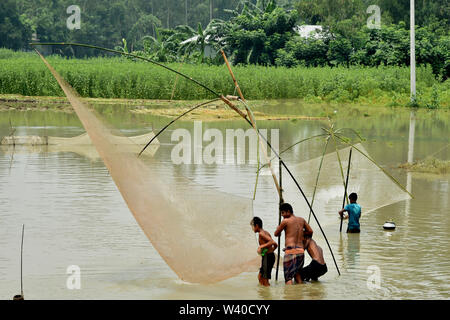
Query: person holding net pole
[(295, 228), (354, 214)]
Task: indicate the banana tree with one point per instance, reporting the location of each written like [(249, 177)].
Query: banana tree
[(200, 38), (158, 48)]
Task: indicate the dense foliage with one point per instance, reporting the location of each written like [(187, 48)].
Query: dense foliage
[(387, 46), (250, 31), (121, 78)]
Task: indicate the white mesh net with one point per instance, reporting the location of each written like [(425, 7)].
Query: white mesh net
[(374, 188), (202, 234)]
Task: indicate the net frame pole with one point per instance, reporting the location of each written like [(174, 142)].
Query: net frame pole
[(21, 261), (346, 185), (279, 217)]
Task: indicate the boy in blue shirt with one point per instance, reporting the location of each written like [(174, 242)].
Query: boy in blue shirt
[(354, 213)]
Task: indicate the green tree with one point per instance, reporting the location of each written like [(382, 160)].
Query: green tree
[(13, 32)]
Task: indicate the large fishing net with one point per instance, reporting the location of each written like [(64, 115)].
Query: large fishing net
[(374, 188), (202, 234)]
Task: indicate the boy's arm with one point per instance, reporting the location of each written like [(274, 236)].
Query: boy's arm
[(269, 241), (280, 228)]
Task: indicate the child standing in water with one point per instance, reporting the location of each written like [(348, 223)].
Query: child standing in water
[(266, 249), (354, 213)]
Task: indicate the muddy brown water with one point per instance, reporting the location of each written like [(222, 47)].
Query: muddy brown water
[(74, 214)]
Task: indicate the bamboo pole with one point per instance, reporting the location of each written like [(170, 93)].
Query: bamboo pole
[(225, 99), (128, 55), (253, 123), (167, 125), (412, 50), (19, 297), (332, 133), (281, 161), (175, 83), (312, 211), (375, 163), (21, 262), (346, 186), (317, 177), (279, 219), (277, 156)]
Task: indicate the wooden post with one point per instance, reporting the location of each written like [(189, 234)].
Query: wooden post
[(19, 297), (21, 262), (412, 50), (279, 219), (346, 185)]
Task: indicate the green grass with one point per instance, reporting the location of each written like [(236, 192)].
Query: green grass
[(25, 74)]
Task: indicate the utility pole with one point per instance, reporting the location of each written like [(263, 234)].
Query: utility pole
[(413, 51), (186, 10), (210, 10)]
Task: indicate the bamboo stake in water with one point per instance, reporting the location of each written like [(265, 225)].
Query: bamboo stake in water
[(21, 262), (279, 218), (346, 186)]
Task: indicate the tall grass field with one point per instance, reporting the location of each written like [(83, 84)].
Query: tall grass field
[(25, 74)]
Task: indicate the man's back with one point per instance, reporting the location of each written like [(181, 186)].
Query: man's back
[(315, 252), (294, 231)]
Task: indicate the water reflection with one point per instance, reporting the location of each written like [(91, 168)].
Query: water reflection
[(265, 293), (353, 248), (75, 215), (349, 250)]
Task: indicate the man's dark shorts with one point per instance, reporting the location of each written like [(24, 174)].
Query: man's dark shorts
[(353, 230), (313, 271), (267, 263)]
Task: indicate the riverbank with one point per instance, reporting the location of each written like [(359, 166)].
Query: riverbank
[(165, 108), (429, 165), (276, 109)]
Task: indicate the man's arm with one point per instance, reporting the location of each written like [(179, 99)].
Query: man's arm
[(341, 213), (280, 228)]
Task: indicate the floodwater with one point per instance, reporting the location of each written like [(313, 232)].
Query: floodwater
[(74, 214)]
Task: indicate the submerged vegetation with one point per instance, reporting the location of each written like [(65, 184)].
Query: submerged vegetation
[(428, 165), (24, 74)]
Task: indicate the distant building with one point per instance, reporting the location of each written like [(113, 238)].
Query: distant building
[(309, 31)]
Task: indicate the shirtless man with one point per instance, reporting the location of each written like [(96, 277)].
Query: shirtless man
[(317, 267), (295, 228)]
